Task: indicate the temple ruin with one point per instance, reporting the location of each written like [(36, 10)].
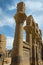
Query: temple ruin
[(27, 52)]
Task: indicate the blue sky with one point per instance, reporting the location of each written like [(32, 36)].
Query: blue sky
[(8, 10)]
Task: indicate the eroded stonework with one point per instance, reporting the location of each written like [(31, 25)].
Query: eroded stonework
[(2, 48), (29, 52)]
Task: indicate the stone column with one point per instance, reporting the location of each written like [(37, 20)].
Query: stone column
[(28, 29), (39, 48), (29, 23), (34, 35), (17, 51), (34, 49)]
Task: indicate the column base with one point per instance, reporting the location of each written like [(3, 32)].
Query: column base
[(16, 60)]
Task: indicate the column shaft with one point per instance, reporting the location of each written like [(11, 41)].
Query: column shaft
[(18, 37), (29, 40), (17, 51), (18, 45)]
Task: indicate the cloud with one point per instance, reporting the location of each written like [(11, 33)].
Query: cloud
[(39, 19), (11, 7), (34, 5), (24, 39), (6, 20), (9, 41)]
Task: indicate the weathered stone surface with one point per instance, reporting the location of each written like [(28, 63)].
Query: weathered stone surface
[(17, 51), (0, 62), (2, 43), (23, 53), (2, 48), (34, 38), (26, 53), (2, 38), (21, 7)]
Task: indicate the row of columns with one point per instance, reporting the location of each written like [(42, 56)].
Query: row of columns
[(17, 51), (32, 34)]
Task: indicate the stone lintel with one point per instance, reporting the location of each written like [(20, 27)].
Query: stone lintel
[(26, 43), (26, 46), (20, 17)]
